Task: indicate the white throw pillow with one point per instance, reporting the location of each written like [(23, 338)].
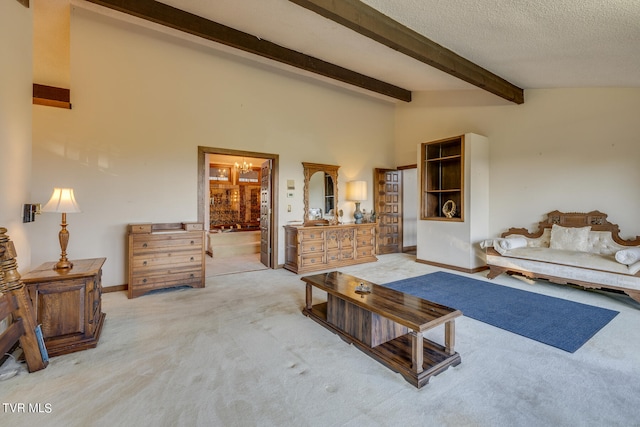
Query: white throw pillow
[(513, 243), (570, 238), (628, 256)]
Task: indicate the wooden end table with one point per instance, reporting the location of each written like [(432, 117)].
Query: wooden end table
[(68, 304), (386, 324)]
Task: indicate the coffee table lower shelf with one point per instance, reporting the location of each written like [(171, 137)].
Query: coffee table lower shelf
[(396, 353)]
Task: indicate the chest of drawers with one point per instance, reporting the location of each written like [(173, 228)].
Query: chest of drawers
[(312, 248), (165, 256)]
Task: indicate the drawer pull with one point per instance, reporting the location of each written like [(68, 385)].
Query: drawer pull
[(191, 259), (192, 242), (313, 248), (144, 280), (192, 275), (144, 263), (144, 245)]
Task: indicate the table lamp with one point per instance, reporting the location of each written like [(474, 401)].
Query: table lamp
[(357, 192), (62, 201)]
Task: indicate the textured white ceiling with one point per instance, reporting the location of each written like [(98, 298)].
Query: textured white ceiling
[(532, 44)]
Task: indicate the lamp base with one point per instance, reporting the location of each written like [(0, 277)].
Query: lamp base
[(63, 265), (63, 237), (358, 214)]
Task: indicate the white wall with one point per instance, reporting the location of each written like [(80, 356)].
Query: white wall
[(574, 150), (142, 104), (16, 70)]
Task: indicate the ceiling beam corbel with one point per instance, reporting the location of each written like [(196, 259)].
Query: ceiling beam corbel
[(371, 23), (180, 20)]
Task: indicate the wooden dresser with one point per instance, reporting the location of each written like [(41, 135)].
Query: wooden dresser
[(165, 256), (312, 248), (68, 304)]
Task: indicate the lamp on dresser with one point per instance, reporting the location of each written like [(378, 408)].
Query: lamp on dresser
[(62, 201), (357, 192)]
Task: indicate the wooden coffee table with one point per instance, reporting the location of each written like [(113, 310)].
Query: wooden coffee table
[(386, 324)]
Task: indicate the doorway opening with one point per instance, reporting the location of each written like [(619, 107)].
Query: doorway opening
[(410, 199), (236, 202)]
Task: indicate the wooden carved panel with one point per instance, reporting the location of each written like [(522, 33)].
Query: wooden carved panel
[(597, 220)]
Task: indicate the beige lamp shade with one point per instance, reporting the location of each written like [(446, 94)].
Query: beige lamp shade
[(357, 191), (62, 201)]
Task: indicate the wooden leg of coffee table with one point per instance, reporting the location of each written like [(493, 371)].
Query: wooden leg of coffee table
[(449, 336), (417, 351), (309, 298)]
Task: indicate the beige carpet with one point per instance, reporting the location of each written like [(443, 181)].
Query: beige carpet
[(216, 266), (240, 353)]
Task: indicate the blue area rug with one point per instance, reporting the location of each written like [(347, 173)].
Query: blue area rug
[(563, 324)]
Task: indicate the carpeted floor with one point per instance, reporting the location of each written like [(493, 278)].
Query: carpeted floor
[(215, 266), (240, 353)]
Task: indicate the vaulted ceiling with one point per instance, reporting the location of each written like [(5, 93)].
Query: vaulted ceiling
[(512, 44)]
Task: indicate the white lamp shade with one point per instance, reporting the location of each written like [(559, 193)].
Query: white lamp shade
[(62, 201), (357, 191)]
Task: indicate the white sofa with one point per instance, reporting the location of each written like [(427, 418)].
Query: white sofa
[(570, 248)]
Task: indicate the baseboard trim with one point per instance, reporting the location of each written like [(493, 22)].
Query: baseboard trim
[(118, 288), (454, 267)]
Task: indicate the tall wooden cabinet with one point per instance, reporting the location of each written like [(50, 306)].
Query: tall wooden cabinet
[(165, 256), (454, 173), (312, 248)]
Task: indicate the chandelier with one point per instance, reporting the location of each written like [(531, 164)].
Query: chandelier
[(244, 167)]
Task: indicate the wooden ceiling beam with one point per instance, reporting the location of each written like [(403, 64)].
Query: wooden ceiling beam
[(371, 23), (177, 19)]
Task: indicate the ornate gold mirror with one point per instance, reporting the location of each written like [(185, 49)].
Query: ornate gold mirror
[(320, 194)]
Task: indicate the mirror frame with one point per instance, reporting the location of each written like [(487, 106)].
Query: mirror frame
[(309, 170)]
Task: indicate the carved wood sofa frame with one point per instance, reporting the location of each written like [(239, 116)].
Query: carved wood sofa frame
[(598, 222)]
